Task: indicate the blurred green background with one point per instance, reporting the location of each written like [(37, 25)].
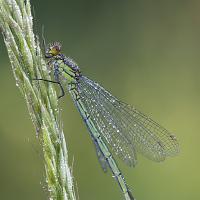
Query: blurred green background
[(145, 52)]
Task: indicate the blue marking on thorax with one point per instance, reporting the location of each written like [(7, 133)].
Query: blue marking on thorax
[(69, 62)]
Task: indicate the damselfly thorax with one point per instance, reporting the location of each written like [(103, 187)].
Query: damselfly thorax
[(64, 68), (60, 64)]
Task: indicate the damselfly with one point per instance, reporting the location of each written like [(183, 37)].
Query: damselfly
[(112, 124)]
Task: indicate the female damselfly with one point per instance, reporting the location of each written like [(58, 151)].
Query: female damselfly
[(111, 123)]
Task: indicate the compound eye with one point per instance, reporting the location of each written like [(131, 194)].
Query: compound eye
[(53, 49)]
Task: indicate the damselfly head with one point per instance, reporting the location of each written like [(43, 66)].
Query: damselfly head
[(53, 49)]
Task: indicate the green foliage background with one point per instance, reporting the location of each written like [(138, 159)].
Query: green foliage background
[(146, 53)]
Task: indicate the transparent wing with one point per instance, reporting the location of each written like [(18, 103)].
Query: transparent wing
[(125, 128), (156, 142), (100, 111)]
